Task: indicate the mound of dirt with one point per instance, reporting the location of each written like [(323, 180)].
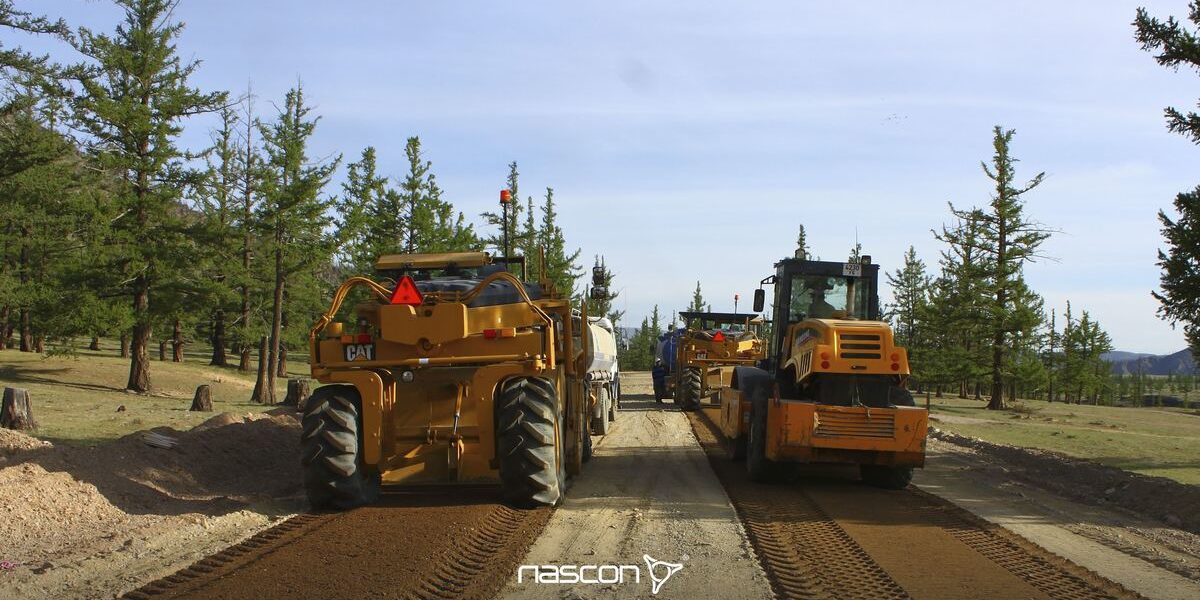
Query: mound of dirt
[(15, 442), (1159, 498), (60, 501)]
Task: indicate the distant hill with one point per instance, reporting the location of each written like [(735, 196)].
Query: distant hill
[(1178, 363), (1122, 356)]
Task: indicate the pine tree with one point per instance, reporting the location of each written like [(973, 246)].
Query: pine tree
[(293, 212), (697, 304), (1008, 240), (561, 267), (131, 106), (801, 244), (218, 232), (1179, 301), (511, 225), (364, 198), (15, 61), (414, 191), (910, 289), (855, 253), (958, 305)]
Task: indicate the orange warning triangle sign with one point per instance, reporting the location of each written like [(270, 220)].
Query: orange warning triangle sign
[(406, 292)]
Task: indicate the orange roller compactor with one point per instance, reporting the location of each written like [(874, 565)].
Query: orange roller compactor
[(833, 387)]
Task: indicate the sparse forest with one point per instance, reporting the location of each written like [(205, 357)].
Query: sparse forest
[(238, 244)]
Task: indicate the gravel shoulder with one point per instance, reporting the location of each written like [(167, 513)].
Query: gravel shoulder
[(647, 491)]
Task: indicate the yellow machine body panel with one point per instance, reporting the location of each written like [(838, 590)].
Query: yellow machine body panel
[(809, 432), (843, 346)]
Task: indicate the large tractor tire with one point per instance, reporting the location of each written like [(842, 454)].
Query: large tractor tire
[(331, 443), (888, 478), (602, 423), (760, 468), (531, 471), (691, 389)]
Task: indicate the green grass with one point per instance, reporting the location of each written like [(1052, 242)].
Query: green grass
[(75, 398), (1155, 441)]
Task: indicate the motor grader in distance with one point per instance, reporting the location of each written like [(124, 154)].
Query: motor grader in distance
[(833, 388), (706, 352), (455, 371)]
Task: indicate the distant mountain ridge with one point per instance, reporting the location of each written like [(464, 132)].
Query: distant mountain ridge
[(1179, 363)]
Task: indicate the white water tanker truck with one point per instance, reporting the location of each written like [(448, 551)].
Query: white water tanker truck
[(602, 374)]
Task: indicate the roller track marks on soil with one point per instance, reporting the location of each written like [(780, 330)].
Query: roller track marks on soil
[(224, 560), (456, 577), (810, 550)]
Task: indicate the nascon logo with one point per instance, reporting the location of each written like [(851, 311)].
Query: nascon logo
[(659, 571)]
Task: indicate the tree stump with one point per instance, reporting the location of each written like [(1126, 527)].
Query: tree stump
[(202, 402), (16, 412), (297, 393)]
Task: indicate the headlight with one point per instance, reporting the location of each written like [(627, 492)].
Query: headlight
[(406, 376)]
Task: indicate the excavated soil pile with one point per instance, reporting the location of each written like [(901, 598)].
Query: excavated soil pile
[(1164, 499), (60, 501)]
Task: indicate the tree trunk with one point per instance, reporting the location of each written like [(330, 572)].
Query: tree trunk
[(297, 393), (16, 410), (244, 358), (162, 350), (282, 372), (259, 395), (5, 311), (39, 344), (218, 340), (202, 401), (124, 345), (177, 342), (26, 332), (139, 362), (95, 345), (276, 316)]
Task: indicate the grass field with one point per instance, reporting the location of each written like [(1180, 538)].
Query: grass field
[(1154, 441), (75, 399)]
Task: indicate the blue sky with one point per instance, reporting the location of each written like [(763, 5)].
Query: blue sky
[(686, 141)]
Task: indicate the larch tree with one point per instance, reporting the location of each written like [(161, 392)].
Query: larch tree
[(910, 291), (603, 307), (697, 304), (131, 106), (292, 214), (509, 235), (216, 200), (561, 266), (1009, 240), (802, 244), (364, 200), (1176, 45)]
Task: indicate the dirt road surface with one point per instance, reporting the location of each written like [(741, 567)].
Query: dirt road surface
[(648, 491)]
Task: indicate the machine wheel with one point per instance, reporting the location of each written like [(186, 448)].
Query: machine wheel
[(888, 478), (760, 468), (527, 425), (691, 389), (602, 425), (587, 447), (331, 444), (738, 451)]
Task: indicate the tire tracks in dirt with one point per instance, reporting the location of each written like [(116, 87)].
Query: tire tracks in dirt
[(822, 537), (426, 545)]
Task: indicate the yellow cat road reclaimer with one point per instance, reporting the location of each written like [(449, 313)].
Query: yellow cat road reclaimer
[(709, 349), (455, 371), (833, 388)]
